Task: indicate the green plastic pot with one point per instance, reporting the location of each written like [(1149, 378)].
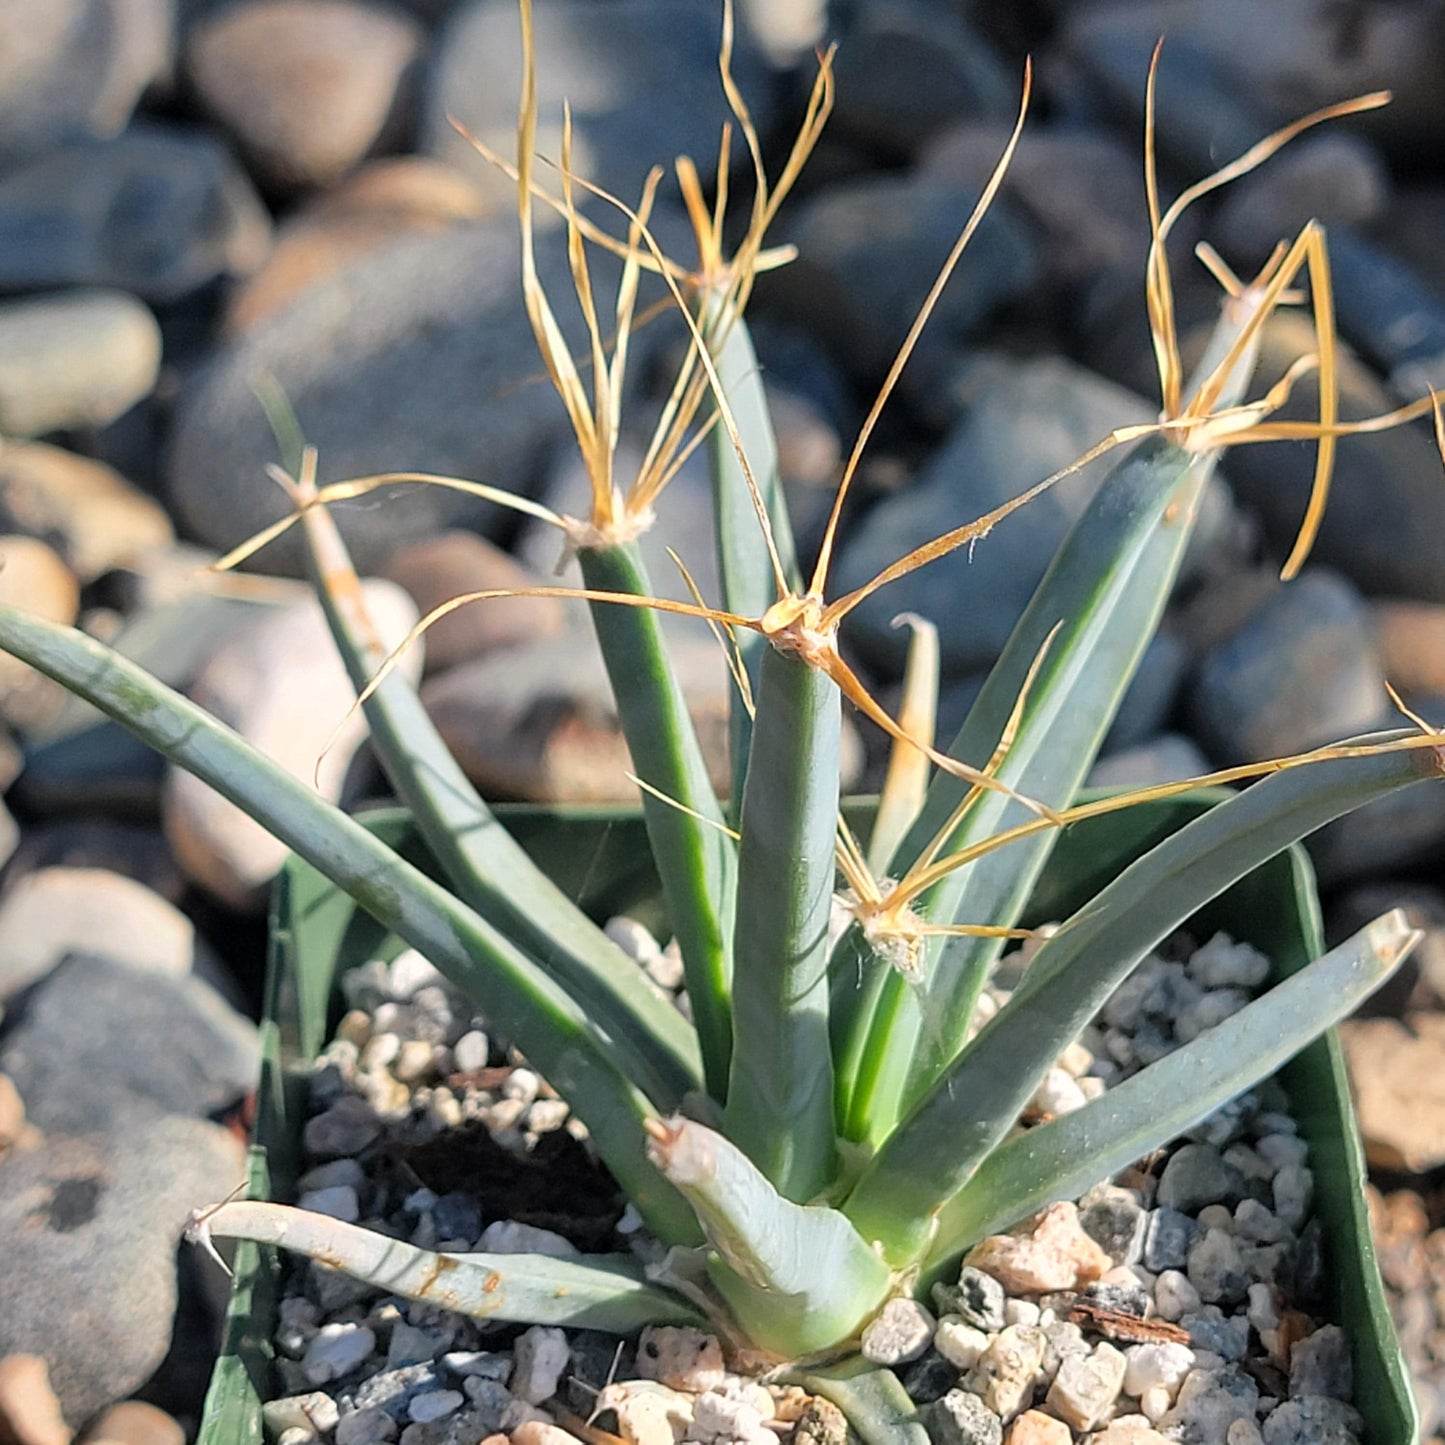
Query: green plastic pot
[(600, 856)]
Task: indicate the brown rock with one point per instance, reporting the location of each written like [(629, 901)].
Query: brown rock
[(1059, 1228), (1398, 1074), (1131, 1430), (307, 89), (84, 509), (1033, 1427), (29, 1412), (538, 1432), (32, 576), (1411, 637), (133, 1422), (12, 1112), (443, 567), (408, 195), (538, 721), (53, 912), (283, 687), (1023, 1266), (1056, 1254)]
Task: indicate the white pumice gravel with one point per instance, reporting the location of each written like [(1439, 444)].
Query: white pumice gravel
[(1154, 1311)]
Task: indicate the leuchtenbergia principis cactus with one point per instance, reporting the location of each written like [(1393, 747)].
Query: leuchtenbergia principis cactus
[(816, 1144)]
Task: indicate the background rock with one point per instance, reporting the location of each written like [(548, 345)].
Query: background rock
[(100, 1045), (82, 508), (1397, 1070), (283, 687), (455, 563), (157, 212), (868, 251), (51, 912), (92, 1226), (639, 70), (79, 359), (1300, 671), (307, 90), (1026, 419), (417, 357), (76, 68), (374, 206)]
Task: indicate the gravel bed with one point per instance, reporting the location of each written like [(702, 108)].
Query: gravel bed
[(1177, 1302)]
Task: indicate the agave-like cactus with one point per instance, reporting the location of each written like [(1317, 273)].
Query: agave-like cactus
[(818, 1142)]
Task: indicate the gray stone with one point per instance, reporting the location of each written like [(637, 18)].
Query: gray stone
[(344, 1130), (489, 1401), (1384, 528), (1223, 963), (905, 70), (1028, 419), (1301, 671), (1314, 1420), (901, 1331), (1288, 68), (1168, 758), (74, 360), (929, 1378), (1196, 1175), (977, 1299), (366, 1427), (1334, 177), (1320, 1364), (868, 251), (434, 1405), (1174, 1296), (307, 90), (1204, 118), (410, 1345), (1210, 1330), (1399, 831), (488, 1364), (155, 212), (1208, 1403), (1149, 699), (1294, 1190), (337, 1350), (1117, 1222), (540, 1356), (1208, 1011), (459, 1428), (1082, 187), (337, 1201), (99, 1042), (961, 1418), (408, 359), (641, 71), (1217, 1268), (76, 68), (91, 1227), (457, 1216), (392, 1391)]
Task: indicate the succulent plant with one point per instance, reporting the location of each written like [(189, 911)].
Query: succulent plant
[(829, 1131)]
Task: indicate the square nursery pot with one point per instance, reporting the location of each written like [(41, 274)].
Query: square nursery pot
[(600, 856)]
